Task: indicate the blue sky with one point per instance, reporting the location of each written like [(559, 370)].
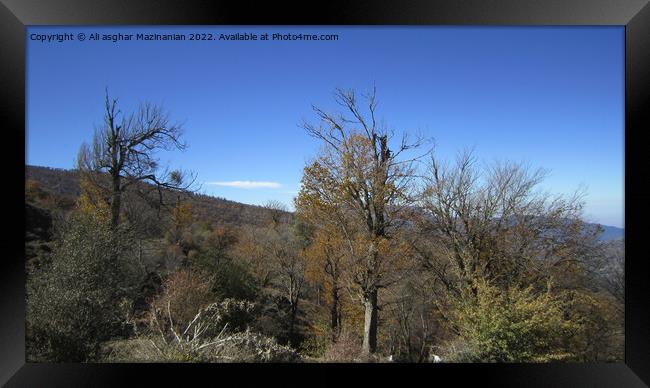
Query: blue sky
[(552, 97)]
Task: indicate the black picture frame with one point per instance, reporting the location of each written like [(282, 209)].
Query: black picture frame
[(15, 15)]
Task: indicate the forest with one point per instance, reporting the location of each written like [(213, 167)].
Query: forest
[(391, 254)]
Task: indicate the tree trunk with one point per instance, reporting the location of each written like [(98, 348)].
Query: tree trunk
[(293, 311), (292, 324), (370, 322), (334, 313), (116, 201)]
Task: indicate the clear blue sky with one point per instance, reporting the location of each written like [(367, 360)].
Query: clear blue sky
[(549, 96)]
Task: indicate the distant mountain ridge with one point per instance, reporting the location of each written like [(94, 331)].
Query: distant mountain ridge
[(611, 233), (66, 183)]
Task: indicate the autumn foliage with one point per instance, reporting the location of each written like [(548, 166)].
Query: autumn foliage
[(390, 254)]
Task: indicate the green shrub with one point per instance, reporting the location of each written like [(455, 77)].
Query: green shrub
[(514, 325), (231, 278), (234, 280), (79, 299), (314, 346)]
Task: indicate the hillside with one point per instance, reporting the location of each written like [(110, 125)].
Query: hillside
[(64, 184)]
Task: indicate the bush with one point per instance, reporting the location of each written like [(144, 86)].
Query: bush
[(212, 335), (234, 280), (79, 299), (238, 314), (514, 325), (237, 347), (253, 347), (231, 278), (188, 294), (184, 293), (602, 327), (315, 346), (347, 348)]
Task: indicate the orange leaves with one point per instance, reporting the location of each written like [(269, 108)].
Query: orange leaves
[(221, 238), (324, 258)]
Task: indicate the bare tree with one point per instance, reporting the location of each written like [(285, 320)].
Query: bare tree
[(361, 184), (277, 212), (607, 269), (614, 276), (124, 148), (283, 256), (410, 313), (495, 224)]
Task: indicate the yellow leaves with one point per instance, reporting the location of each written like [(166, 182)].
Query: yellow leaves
[(403, 256), (324, 257), (310, 204), (358, 157), (92, 201), (182, 215), (597, 325), (352, 312), (514, 325)]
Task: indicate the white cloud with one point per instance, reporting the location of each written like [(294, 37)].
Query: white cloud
[(247, 184)]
